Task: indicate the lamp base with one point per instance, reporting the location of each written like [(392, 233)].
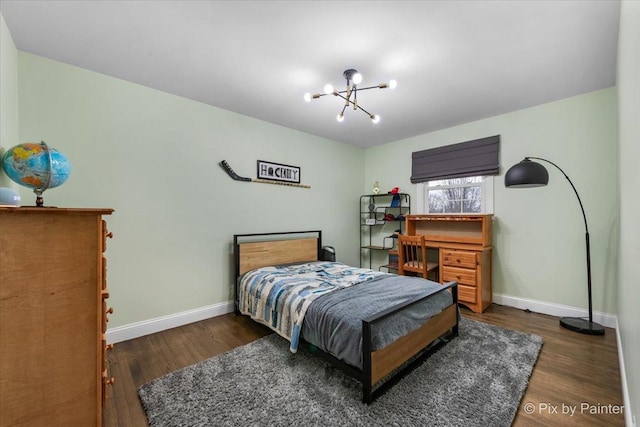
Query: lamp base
[(582, 326)]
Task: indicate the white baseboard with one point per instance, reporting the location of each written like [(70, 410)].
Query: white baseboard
[(629, 419), (151, 326), (605, 319)]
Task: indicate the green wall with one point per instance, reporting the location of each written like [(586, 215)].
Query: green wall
[(8, 96), (629, 267), (153, 157), (538, 233)]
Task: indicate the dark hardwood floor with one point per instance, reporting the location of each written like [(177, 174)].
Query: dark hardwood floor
[(575, 374)]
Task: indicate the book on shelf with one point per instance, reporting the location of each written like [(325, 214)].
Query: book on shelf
[(393, 258)]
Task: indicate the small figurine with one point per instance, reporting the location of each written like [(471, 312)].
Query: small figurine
[(376, 188)]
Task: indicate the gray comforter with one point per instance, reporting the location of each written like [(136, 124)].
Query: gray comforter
[(333, 322)]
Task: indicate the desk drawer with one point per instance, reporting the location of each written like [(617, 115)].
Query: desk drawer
[(464, 259), (467, 294), (463, 276)]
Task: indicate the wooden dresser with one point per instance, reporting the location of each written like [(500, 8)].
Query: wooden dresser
[(53, 315), (465, 245)]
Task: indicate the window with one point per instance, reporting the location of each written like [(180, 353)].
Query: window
[(456, 178), (466, 195)]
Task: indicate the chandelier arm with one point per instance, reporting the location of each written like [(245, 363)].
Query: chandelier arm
[(371, 87), (351, 102), (338, 94), (365, 111), (355, 97), (360, 88)]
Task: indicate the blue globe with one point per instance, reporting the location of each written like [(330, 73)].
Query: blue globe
[(36, 166)]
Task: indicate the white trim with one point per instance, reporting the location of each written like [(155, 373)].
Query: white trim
[(487, 195), (151, 326), (559, 310), (629, 419), (419, 208)]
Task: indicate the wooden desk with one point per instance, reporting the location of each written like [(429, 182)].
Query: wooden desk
[(464, 243)]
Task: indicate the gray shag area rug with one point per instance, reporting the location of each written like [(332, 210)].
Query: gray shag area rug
[(477, 379)]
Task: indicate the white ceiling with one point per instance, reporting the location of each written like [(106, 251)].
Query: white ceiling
[(455, 61)]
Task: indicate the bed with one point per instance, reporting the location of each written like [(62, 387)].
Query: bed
[(374, 326)]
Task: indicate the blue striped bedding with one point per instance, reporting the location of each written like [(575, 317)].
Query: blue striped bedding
[(279, 296), (324, 304)]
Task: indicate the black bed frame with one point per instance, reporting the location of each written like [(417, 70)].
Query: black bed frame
[(369, 393)]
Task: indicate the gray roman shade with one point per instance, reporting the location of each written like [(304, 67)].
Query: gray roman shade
[(471, 158)]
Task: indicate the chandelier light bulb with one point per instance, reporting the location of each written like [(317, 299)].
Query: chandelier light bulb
[(328, 89), (357, 78), (307, 97), (375, 118), (393, 84), (340, 117)]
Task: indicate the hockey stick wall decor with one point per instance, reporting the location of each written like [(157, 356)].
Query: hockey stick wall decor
[(237, 177)]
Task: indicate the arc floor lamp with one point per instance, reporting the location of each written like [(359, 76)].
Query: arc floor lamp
[(531, 174)]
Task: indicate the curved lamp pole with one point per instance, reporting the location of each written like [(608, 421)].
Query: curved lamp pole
[(531, 174)]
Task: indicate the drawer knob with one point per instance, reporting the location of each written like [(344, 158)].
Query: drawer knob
[(110, 381), (109, 347), (109, 234), (110, 311)]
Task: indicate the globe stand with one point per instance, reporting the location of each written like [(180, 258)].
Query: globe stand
[(39, 198)]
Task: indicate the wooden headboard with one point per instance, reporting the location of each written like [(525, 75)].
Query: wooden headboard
[(253, 251)]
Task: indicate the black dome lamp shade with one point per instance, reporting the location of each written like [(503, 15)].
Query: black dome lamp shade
[(526, 174), (531, 174)]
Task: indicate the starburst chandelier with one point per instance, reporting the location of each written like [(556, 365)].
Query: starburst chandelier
[(350, 95)]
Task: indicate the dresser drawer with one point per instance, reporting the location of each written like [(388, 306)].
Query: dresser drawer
[(463, 276), (104, 273), (467, 294), (454, 258)]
